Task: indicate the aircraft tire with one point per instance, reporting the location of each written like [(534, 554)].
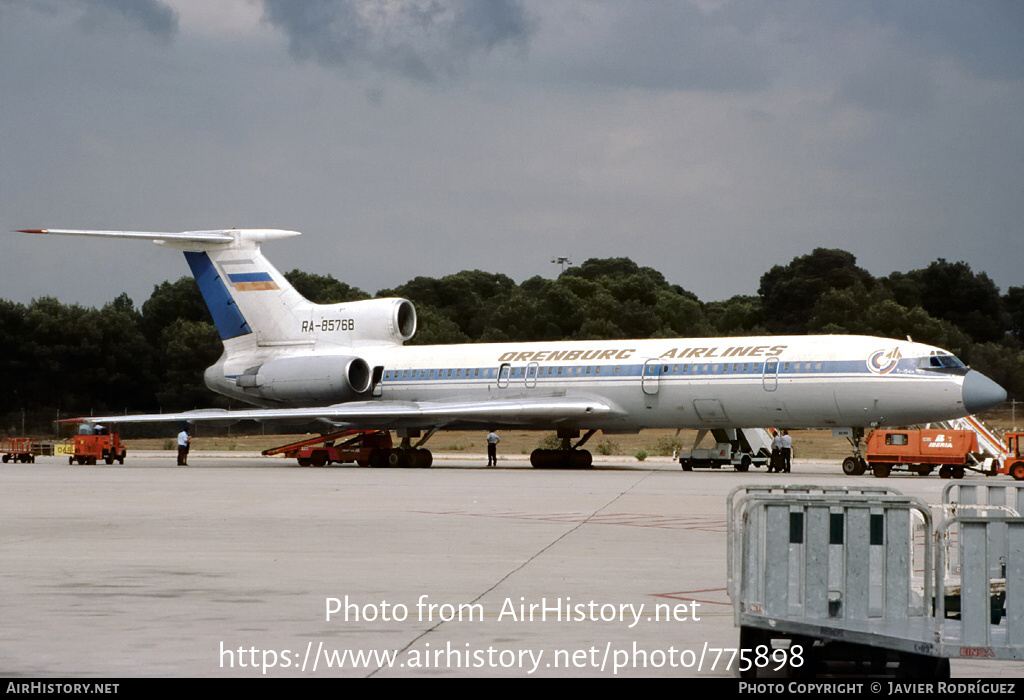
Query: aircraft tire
[(421, 458), (398, 458), (549, 459), (852, 467), (581, 459)]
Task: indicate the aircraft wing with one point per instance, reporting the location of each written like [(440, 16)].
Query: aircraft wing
[(549, 410)]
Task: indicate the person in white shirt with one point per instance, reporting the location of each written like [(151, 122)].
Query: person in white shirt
[(492, 449), (183, 444), (775, 465), (787, 451)]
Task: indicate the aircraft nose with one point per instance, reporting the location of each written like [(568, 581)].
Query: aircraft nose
[(980, 392)]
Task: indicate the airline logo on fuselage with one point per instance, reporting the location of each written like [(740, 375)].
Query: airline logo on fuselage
[(884, 361), (626, 353)]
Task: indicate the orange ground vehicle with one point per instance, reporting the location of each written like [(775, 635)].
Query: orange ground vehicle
[(100, 444), (18, 449), (367, 448), (920, 451), (1013, 464)]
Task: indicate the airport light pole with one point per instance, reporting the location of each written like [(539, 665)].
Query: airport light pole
[(563, 262)]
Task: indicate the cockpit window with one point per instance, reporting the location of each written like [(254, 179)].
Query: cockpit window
[(937, 361)]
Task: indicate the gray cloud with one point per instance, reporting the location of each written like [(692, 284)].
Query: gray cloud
[(151, 16), (414, 38), (661, 46), (985, 36), (890, 82)]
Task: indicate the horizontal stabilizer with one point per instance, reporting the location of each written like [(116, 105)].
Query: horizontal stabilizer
[(204, 237), (192, 236)]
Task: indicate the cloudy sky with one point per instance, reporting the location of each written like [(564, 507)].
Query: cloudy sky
[(709, 139)]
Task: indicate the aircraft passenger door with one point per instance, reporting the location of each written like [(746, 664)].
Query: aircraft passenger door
[(650, 379), (530, 377), (503, 374), (770, 379)]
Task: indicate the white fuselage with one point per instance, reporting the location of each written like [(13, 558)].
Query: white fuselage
[(791, 381)]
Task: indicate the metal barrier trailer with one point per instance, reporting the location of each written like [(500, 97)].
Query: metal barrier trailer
[(849, 583)]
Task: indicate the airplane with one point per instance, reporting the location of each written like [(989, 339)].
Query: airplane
[(346, 366)]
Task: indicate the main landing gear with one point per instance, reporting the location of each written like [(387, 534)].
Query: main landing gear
[(855, 465), (409, 455), (568, 456)]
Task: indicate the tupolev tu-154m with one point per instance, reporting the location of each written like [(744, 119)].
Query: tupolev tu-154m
[(345, 365)]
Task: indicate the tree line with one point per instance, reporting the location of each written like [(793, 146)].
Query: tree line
[(59, 360)]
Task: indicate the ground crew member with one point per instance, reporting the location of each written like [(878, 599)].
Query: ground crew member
[(492, 449), (787, 451), (775, 465), (183, 444)]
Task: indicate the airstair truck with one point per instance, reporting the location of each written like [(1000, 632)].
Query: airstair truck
[(740, 449)]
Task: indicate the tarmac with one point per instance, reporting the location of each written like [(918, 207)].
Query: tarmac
[(247, 566)]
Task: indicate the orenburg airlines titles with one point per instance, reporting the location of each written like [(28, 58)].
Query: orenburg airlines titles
[(626, 353)]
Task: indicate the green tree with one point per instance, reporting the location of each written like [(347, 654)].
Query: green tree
[(187, 349), (323, 289), (789, 292), (171, 301), (1013, 302), (952, 291)]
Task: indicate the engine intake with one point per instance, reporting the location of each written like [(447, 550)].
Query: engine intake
[(321, 379), (390, 320)]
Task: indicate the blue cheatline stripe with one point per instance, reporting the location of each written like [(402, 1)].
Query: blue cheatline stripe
[(824, 370), (226, 316)]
